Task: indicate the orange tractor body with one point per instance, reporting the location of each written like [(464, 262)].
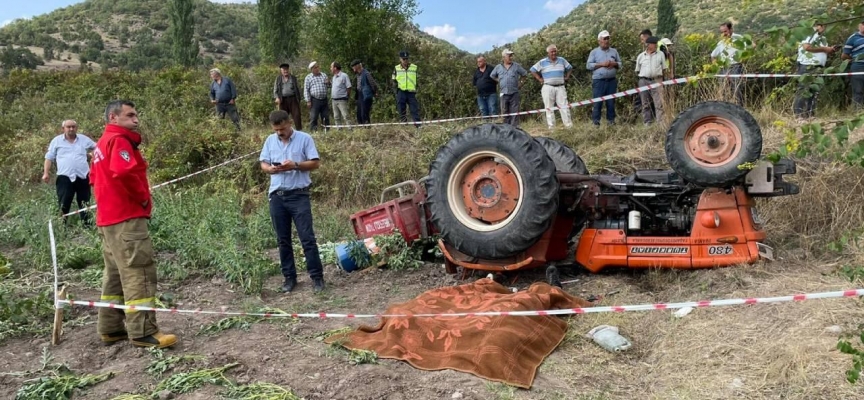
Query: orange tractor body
[(502, 200)]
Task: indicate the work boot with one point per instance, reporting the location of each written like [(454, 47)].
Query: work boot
[(115, 337), (158, 340), (318, 284), (289, 285)]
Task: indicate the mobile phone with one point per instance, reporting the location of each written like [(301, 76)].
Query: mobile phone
[(277, 163)]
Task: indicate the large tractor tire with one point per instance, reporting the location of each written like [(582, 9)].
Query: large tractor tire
[(707, 142), (492, 191), (565, 159)]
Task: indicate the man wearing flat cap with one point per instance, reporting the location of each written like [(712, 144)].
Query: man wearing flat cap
[(315, 93), (510, 76), (650, 65), (405, 76)]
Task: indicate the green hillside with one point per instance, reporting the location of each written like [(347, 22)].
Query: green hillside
[(694, 16), (132, 34)]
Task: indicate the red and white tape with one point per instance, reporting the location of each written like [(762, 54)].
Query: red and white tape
[(567, 311), (173, 180), (629, 92)]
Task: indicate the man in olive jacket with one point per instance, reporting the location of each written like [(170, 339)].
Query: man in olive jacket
[(287, 92)]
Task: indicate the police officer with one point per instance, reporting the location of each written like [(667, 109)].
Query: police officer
[(405, 76)]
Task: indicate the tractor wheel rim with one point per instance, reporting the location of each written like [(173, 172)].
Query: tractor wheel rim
[(484, 191), (713, 141)]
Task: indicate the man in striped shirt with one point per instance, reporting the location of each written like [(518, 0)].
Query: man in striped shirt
[(854, 51), (552, 72)]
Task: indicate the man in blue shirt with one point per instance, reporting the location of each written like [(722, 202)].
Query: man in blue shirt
[(552, 72), (287, 156), (854, 51), (70, 151), (223, 94), (604, 63)]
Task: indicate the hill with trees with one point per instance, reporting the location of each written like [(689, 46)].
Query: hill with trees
[(137, 34)]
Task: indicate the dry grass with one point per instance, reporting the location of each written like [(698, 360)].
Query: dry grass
[(753, 352)]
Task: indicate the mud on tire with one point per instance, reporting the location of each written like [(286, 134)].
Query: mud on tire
[(707, 142), (492, 191)]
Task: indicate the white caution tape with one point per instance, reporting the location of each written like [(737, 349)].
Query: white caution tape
[(629, 92), (566, 311)]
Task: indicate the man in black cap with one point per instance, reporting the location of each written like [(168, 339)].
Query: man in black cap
[(365, 91), (405, 76)]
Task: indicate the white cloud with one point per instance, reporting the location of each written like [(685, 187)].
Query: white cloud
[(6, 22), (560, 7), (475, 42)]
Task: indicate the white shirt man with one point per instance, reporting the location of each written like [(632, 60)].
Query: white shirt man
[(70, 150)]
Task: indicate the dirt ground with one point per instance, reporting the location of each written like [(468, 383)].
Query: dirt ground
[(785, 350)]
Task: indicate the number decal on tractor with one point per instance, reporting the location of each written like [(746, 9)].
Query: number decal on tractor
[(720, 250)]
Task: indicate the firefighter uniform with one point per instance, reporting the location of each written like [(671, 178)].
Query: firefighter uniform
[(124, 206), (406, 89)]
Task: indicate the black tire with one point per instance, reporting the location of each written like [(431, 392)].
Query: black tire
[(729, 118), (564, 158), (524, 157)]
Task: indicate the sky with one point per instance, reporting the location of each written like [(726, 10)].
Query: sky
[(473, 26)]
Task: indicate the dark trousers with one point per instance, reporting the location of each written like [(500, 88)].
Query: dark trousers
[(291, 105), (603, 87), (404, 98), (857, 85), (319, 109), (488, 104), (66, 190), (805, 103), (736, 83), (509, 105), (295, 207), (231, 110), (364, 111)]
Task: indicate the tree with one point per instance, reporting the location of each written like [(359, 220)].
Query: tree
[(21, 57), (183, 46), (279, 25), (373, 31), (667, 22)]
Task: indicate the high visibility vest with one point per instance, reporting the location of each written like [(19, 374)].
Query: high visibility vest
[(406, 79)]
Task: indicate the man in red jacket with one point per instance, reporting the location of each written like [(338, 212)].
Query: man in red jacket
[(119, 179)]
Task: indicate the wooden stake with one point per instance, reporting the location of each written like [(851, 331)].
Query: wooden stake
[(58, 319)]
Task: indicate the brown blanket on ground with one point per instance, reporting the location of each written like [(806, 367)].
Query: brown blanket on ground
[(506, 349)]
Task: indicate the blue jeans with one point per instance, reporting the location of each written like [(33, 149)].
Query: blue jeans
[(297, 207), (488, 104), (603, 87), (857, 85)]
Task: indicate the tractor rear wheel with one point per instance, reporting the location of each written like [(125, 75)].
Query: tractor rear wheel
[(707, 142), (565, 159), (492, 191)]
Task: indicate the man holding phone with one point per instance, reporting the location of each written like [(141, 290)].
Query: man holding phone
[(288, 156)]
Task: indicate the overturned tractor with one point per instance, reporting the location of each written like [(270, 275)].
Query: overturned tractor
[(502, 200)]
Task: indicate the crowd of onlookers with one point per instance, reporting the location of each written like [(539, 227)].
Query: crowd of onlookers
[(499, 87)]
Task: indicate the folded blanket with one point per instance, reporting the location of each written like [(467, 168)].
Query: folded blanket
[(505, 349)]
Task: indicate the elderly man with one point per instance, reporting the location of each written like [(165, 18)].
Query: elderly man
[(223, 94), (725, 53), (650, 65), (487, 96), (812, 56), (339, 94), (286, 92), (604, 63), (366, 92), (315, 93), (405, 77), (552, 72), (853, 51), (510, 77), (70, 150)]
